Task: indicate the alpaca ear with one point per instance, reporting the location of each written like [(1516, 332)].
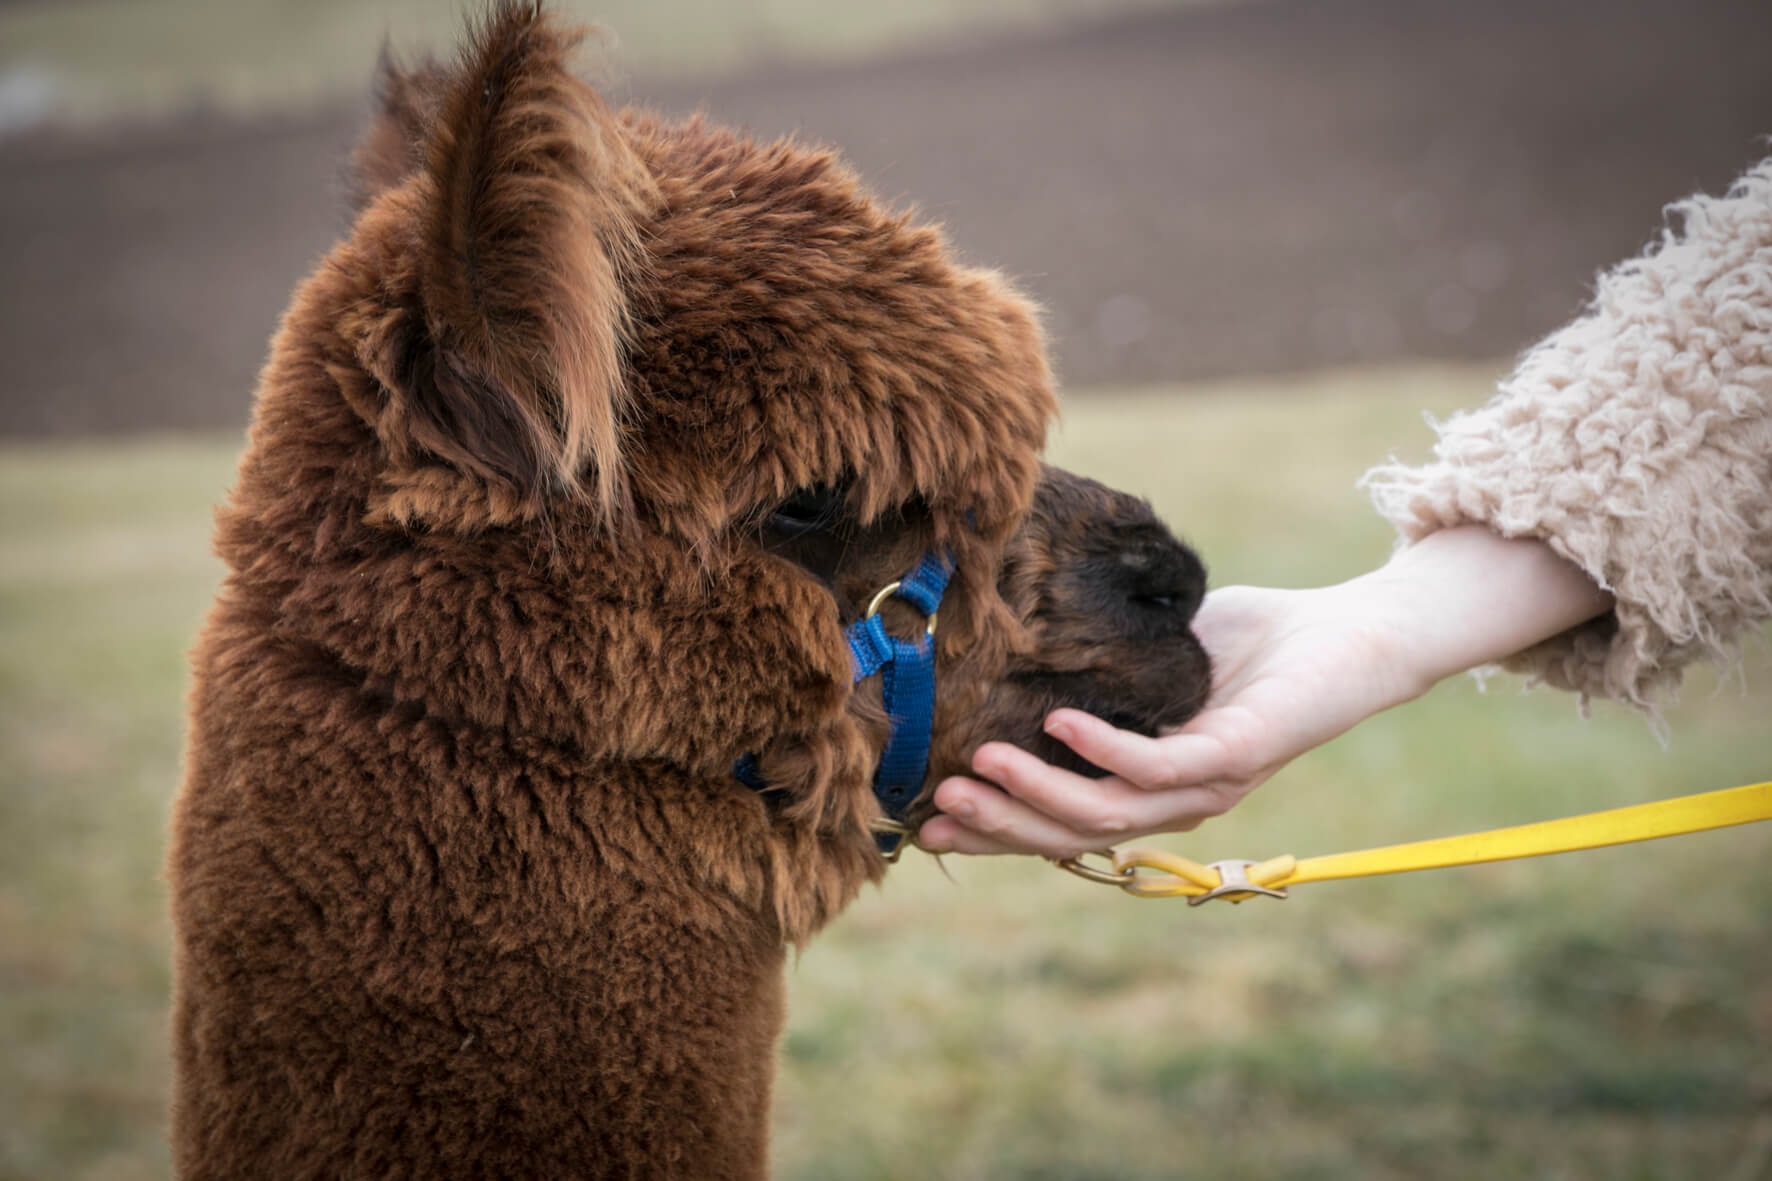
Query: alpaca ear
[(393, 146), (511, 364)]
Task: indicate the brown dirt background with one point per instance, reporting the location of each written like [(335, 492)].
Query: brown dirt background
[(1260, 188)]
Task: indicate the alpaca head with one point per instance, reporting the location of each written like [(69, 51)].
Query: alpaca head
[(641, 415)]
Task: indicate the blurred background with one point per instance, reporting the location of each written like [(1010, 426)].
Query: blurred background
[(1269, 235)]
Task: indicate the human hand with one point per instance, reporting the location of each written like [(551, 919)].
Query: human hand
[(1291, 670)]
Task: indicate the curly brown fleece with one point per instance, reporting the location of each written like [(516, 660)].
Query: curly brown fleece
[(462, 883)]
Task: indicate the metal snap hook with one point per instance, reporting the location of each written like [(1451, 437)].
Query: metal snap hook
[(890, 827), (1106, 877)]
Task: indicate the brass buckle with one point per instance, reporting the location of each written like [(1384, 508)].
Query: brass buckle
[(899, 829), (885, 593), (1234, 883)]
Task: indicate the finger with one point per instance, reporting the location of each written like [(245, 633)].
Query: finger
[(1091, 812), (1006, 823), (1185, 758), (944, 834)]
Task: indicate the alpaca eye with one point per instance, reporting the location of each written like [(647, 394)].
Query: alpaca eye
[(807, 511)]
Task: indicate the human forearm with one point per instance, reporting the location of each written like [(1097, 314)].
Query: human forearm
[(1464, 597)]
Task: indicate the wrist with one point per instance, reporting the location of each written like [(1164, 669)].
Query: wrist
[(1464, 597)]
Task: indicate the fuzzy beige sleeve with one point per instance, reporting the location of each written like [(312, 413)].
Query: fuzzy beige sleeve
[(1637, 441)]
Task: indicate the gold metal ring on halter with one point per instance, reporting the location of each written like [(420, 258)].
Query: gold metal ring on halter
[(1107, 877), (885, 593)]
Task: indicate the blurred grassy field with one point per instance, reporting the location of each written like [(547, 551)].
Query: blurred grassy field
[(1603, 1015)]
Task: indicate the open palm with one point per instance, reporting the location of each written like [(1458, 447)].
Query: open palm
[(1291, 669)]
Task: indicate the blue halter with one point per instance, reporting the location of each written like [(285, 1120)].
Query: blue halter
[(907, 689)]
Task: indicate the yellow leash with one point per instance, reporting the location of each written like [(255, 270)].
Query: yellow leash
[(1153, 873)]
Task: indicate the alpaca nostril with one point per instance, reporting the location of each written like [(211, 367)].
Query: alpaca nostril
[(1178, 603), (1162, 579)]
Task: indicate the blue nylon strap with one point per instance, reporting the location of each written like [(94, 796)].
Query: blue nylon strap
[(907, 690), (924, 586), (907, 686), (869, 646), (745, 771)]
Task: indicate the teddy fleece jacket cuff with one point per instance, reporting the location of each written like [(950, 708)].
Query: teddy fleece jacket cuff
[(1637, 441)]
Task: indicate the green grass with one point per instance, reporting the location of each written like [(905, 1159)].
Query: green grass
[(1601, 1015), (104, 573)]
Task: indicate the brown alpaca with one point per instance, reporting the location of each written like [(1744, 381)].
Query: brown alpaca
[(569, 467)]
